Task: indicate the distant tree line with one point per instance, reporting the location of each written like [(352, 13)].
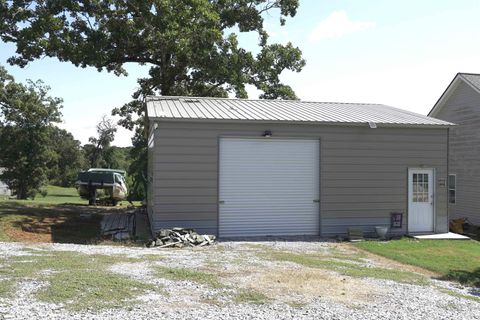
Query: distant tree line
[(35, 152)]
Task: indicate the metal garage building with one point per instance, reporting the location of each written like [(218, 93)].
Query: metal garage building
[(237, 167)]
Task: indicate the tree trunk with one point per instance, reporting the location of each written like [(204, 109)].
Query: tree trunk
[(22, 193)]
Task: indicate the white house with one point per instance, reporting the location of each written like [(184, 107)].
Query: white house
[(4, 190)]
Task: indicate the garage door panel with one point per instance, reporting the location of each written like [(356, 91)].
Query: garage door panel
[(268, 187)]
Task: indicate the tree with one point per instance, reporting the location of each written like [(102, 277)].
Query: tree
[(28, 113), (98, 148), (191, 46), (137, 170), (118, 157), (67, 158)]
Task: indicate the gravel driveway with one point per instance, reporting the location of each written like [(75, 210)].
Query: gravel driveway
[(243, 280)]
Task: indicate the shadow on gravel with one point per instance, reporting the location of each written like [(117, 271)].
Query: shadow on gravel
[(465, 277)]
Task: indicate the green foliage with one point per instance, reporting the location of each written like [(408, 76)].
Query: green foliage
[(137, 170), (452, 259), (191, 46), (99, 146), (117, 157), (67, 158), (28, 114)]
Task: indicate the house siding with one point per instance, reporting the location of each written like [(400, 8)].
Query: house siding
[(150, 178), (363, 172), (463, 109)]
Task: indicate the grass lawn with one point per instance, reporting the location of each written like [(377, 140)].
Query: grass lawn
[(61, 216), (79, 281), (452, 260), (55, 196)]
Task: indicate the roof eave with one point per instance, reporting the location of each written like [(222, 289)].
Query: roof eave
[(448, 91), (328, 123)]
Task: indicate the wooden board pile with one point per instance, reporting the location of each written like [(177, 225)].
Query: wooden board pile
[(118, 226), (180, 237)]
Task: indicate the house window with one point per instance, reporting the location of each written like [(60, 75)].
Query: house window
[(452, 188)]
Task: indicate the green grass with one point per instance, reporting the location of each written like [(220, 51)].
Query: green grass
[(354, 268), (6, 287), (183, 274), (77, 280), (452, 260), (251, 296), (55, 195)]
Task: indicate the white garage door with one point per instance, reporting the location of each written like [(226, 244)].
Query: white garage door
[(268, 187)]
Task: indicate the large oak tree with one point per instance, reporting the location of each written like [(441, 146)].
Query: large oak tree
[(191, 46)]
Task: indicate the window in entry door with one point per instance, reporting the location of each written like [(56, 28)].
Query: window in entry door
[(420, 187)]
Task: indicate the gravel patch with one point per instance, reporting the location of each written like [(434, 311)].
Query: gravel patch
[(240, 267)]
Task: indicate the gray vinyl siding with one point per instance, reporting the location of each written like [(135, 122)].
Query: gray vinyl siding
[(463, 109), (363, 172)]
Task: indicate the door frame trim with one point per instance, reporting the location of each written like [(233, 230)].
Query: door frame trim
[(434, 194)]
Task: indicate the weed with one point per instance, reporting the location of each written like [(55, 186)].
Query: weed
[(251, 296), (183, 274)]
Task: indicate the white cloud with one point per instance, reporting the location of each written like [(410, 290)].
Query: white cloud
[(336, 25)]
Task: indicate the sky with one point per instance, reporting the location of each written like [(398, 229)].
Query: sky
[(399, 53)]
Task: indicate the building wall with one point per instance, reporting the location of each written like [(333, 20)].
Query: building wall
[(150, 177), (4, 190), (463, 109), (363, 172)]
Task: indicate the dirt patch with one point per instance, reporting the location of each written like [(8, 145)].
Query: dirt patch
[(302, 286), (42, 225), (26, 236), (63, 224)]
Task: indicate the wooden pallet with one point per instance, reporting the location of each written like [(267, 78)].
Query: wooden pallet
[(118, 223)]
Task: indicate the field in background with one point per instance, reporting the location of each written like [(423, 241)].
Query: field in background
[(55, 195)]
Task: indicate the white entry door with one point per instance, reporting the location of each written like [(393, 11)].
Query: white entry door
[(420, 200), (268, 187)]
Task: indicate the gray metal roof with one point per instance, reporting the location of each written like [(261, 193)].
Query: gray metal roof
[(472, 78), (192, 108)]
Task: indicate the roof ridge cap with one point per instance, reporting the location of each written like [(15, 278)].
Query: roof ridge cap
[(469, 73), (150, 98)]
